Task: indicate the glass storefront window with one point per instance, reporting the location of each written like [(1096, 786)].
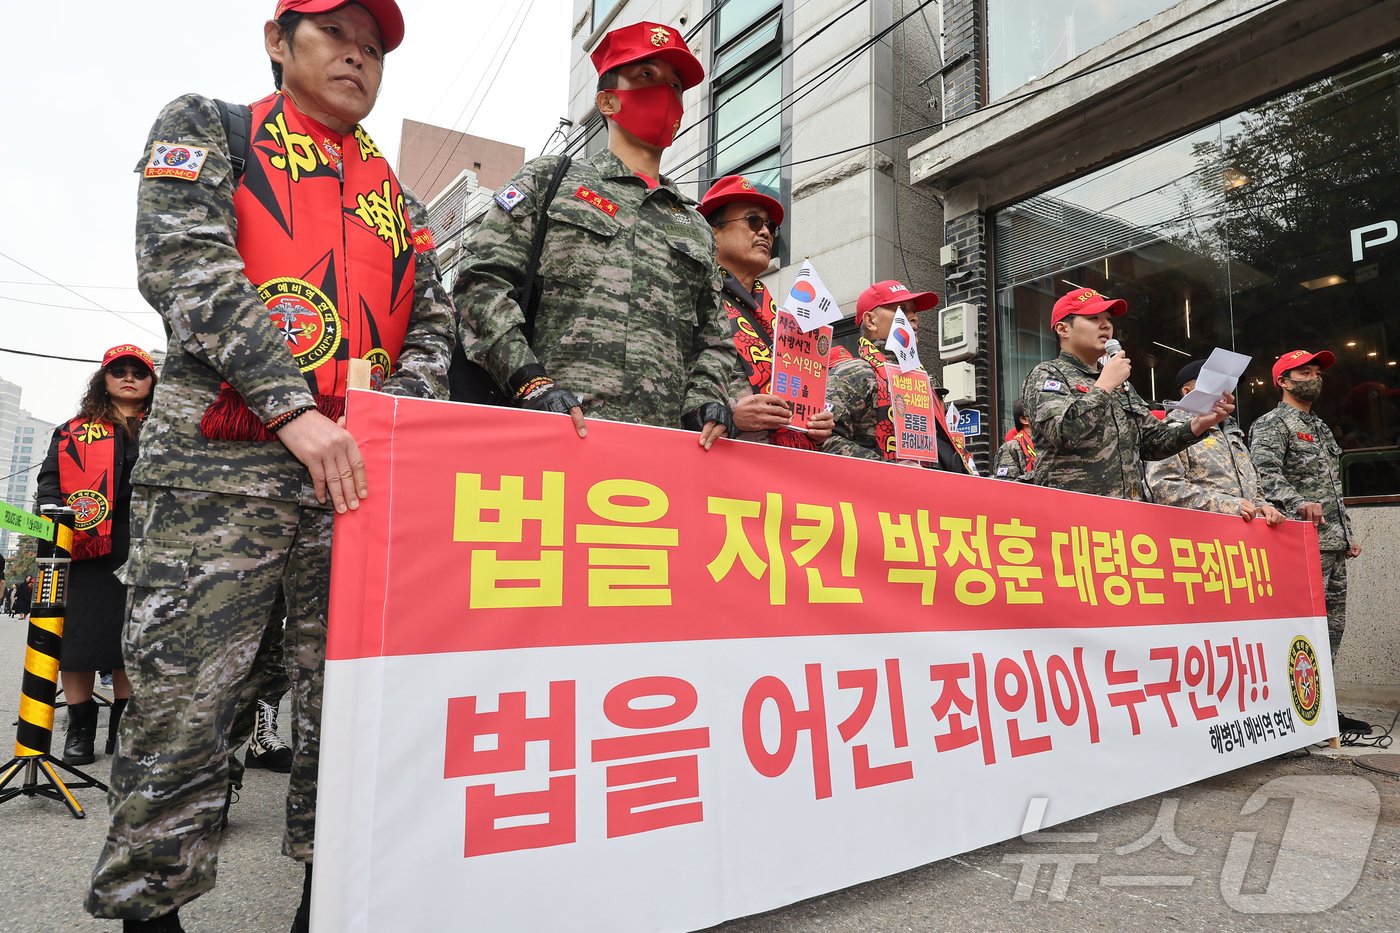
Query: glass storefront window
[(1028, 39), (1275, 229)]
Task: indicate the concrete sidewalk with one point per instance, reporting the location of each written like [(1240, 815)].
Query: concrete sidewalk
[(1325, 847)]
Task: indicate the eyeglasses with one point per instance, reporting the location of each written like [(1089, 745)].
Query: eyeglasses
[(135, 372), (756, 223)]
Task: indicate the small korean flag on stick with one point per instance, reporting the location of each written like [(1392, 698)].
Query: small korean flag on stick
[(808, 301), (902, 344)]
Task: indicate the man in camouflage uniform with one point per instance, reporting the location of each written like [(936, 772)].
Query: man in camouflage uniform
[(1091, 429), (745, 222), (629, 325), (1015, 458), (1299, 464), (858, 391), (1215, 475), (220, 526)]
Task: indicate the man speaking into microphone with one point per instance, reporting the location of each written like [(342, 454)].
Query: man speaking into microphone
[(1092, 429)]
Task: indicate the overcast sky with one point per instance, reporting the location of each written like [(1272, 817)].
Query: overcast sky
[(85, 80)]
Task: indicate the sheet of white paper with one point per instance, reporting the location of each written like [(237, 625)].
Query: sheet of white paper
[(1220, 374), (1197, 402), (1228, 362)]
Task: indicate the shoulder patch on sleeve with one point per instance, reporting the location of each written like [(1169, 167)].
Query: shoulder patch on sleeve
[(1002, 471), (423, 240), (509, 198), (1052, 385), (175, 160)]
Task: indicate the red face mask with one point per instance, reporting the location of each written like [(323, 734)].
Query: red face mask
[(652, 114)]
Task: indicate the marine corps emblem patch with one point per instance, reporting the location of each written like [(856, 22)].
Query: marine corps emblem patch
[(91, 506), (305, 318), (379, 367), (660, 36), (1304, 680)]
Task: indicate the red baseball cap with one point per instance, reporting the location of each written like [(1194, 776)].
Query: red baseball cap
[(1295, 358), (732, 189), (123, 350), (1086, 301), (385, 12), (891, 292), (640, 41)]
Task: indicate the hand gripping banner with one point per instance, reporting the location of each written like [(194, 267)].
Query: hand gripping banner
[(622, 683)]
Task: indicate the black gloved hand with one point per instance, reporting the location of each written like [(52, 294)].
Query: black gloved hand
[(717, 412), (550, 397)]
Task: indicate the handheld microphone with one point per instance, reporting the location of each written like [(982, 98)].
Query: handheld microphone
[(1112, 348)]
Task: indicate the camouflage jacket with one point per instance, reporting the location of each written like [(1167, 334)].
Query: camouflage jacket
[(1090, 440), (1010, 463), (188, 268), (629, 317), (852, 394), (1212, 476), (1299, 461)]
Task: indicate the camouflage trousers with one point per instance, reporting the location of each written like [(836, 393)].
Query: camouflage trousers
[(203, 572), (268, 682), (1334, 586)]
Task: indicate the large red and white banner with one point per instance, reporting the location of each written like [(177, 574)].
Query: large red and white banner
[(622, 683)]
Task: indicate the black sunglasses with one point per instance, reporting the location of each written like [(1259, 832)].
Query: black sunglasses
[(135, 372), (756, 223)]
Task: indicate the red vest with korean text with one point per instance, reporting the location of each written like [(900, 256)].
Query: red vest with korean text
[(324, 233)]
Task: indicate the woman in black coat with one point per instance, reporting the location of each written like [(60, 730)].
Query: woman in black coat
[(88, 468)]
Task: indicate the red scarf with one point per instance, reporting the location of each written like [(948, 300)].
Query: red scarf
[(333, 261), (884, 422), (1022, 436), (88, 474), (756, 351)]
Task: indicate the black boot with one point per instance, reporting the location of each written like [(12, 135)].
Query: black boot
[(114, 721), (266, 748), (82, 733), (167, 923), (301, 923)]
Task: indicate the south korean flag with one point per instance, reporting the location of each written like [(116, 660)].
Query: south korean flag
[(809, 302), (902, 345)]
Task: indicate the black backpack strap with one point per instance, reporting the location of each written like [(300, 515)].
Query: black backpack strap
[(529, 302), (238, 130), (467, 381)]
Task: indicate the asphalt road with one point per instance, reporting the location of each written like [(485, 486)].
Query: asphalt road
[(1297, 843)]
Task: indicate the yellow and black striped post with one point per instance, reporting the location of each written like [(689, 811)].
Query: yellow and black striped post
[(39, 688)]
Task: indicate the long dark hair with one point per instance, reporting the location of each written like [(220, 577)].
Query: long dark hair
[(97, 404)]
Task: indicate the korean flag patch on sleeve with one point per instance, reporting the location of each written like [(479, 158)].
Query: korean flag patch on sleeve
[(1003, 471), (509, 198), (175, 160), (1052, 385)]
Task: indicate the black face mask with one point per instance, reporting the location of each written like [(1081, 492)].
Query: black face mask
[(1306, 390)]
